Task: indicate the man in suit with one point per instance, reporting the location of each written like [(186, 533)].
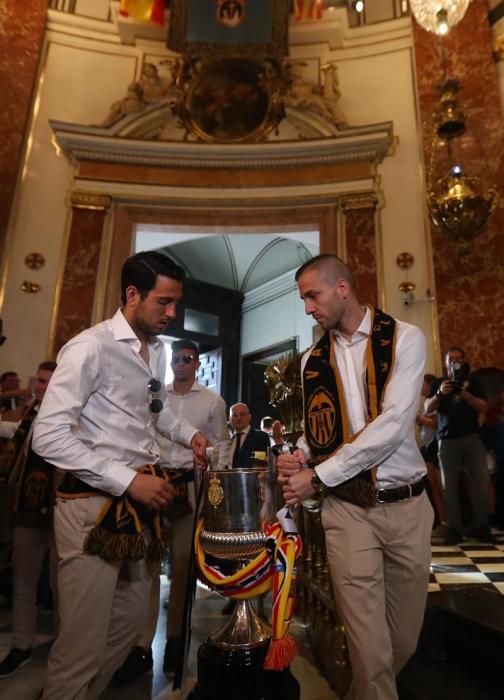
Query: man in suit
[(245, 439)]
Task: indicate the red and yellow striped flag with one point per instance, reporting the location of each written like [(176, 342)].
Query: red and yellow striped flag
[(308, 9), (144, 10)]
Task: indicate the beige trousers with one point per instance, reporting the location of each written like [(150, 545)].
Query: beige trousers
[(30, 545), (180, 551), (101, 604), (380, 561)]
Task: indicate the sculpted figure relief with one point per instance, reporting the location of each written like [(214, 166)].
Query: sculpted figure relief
[(308, 97), (149, 89)]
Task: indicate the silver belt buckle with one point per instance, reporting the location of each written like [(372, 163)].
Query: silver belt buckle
[(378, 499)]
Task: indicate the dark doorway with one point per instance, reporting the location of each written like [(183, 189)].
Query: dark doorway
[(254, 390), (211, 316)]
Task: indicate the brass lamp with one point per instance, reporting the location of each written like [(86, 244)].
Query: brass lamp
[(449, 119), (459, 205), (459, 209)]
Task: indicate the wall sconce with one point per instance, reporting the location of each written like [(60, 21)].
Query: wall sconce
[(404, 261), (30, 287)]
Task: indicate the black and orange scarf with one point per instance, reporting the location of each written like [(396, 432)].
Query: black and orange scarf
[(326, 424)]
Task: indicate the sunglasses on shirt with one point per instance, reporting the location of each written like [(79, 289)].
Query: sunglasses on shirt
[(186, 359), (154, 387)]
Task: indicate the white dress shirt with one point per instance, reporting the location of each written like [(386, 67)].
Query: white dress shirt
[(95, 419), (388, 441), (206, 410)]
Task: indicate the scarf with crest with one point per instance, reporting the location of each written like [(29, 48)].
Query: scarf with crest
[(326, 423), (118, 533)]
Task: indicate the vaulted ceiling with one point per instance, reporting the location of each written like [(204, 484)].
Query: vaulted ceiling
[(232, 259)]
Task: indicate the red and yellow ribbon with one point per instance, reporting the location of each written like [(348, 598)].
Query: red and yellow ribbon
[(274, 567)]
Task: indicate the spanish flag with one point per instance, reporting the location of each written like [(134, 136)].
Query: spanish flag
[(144, 10), (308, 9)]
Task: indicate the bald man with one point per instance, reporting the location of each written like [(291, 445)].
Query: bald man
[(245, 439), (361, 383)]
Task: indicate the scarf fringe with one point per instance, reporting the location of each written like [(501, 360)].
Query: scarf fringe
[(280, 654), (110, 547)]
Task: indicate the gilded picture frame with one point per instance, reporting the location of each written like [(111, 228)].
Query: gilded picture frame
[(223, 28)]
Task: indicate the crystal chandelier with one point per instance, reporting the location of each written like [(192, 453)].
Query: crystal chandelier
[(438, 16)]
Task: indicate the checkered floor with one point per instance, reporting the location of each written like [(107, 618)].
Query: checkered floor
[(467, 564)]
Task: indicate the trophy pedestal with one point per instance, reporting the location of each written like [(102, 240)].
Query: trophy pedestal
[(238, 675)]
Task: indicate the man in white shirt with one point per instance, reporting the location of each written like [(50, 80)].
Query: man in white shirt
[(361, 383), (98, 422), (207, 411)]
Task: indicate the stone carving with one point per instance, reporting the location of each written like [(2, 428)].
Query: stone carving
[(308, 98), (151, 88)]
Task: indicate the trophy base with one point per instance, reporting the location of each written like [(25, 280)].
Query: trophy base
[(237, 674)]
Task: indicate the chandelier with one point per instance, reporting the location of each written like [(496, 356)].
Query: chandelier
[(438, 16), (460, 206)]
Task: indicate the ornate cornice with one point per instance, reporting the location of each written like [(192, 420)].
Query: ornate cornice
[(90, 200), (369, 143)]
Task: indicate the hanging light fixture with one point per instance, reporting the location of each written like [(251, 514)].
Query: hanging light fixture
[(438, 16), (460, 206)]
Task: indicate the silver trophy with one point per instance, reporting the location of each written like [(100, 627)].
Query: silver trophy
[(232, 515)]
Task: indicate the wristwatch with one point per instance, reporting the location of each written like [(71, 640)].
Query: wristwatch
[(317, 483)]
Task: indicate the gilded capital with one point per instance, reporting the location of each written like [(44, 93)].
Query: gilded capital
[(90, 200), (369, 200)]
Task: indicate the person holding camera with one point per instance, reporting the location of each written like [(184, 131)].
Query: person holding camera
[(459, 400)]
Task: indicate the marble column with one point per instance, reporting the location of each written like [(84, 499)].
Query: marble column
[(78, 284), (21, 36), (470, 303), (359, 243)]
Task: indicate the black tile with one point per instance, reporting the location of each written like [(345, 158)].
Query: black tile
[(494, 575), (454, 568), (455, 586), (447, 554), (488, 560)]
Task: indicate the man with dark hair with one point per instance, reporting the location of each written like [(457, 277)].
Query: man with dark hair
[(98, 423), (361, 383), (31, 480), (207, 412), (12, 397), (458, 399)]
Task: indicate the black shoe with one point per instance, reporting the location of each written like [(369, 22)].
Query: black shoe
[(229, 607), (452, 537), (483, 534), (15, 659), (171, 652), (138, 663)]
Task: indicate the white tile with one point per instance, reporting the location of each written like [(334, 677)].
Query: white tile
[(434, 587), (485, 553), (499, 585), (491, 568), (469, 577), (444, 548)]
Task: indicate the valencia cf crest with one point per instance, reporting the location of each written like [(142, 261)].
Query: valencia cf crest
[(231, 13), (321, 416)]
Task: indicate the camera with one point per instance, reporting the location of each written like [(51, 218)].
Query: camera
[(458, 372), (408, 298)]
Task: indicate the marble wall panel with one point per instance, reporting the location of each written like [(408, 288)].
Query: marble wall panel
[(361, 251), (468, 290), (79, 278), (21, 34)]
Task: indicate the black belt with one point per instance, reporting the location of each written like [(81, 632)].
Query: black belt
[(401, 492)]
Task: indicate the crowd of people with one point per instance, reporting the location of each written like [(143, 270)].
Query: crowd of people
[(100, 466)]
